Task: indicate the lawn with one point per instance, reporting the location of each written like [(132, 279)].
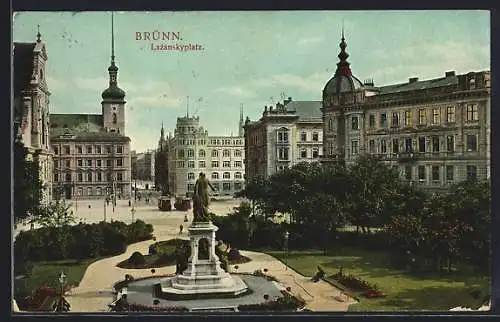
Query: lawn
[(405, 291), (47, 274)]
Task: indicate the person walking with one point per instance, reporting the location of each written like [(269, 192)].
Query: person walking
[(181, 228)]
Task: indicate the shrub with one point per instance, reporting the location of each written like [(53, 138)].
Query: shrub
[(233, 254), (137, 259)]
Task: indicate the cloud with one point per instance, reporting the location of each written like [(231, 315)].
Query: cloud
[(312, 83), (236, 91), (309, 41), (55, 84), (92, 83), (154, 101)]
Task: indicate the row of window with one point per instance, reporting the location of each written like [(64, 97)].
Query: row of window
[(212, 142), (314, 154), (436, 175), (472, 115), (89, 177), (282, 136), (98, 191), (89, 149), (215, 164), (90, 162), (226, 186), (215, 175), (201, 153)]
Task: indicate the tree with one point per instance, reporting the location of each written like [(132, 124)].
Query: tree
[(161, 171), (27, 184)]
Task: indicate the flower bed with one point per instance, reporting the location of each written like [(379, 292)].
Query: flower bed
[(287, 303), (355, 284)]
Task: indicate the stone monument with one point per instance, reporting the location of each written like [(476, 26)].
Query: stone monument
[(203, 276)]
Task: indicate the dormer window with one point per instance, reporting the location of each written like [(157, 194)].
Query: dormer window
[(472, 83)]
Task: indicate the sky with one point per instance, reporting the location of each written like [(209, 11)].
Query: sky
[(250, 58)]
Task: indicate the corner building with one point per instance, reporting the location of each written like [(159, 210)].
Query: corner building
[(437, 131)]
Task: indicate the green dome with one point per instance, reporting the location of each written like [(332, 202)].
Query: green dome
[(113, 92)]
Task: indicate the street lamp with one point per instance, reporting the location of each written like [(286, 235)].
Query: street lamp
[(132, 212), (285, 248)]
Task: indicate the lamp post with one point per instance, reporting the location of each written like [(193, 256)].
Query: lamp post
[(285, 248), (132, 212)]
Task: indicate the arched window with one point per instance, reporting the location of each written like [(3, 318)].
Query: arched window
[(330, 124), (226, 153), (114, 118), (201, 153), (190, 153), (215, 175), (226, 175), (237, 175)]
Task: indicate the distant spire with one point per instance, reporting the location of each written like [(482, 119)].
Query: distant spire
[(343, 66), (112, 39), (187, 107), (241, 124), (162, 131), (241, 112), (38, 35)]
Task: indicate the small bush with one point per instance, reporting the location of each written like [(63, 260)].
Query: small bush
[(137, 259), (233, 254)]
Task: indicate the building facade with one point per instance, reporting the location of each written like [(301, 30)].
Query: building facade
[(192, 151), (437, 131), (92, 157), (145, 166), (31, 107), (285, 135)]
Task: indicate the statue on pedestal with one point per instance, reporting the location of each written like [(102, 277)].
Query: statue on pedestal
[(201, 199)]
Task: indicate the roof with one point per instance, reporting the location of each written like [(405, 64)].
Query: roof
[(341, 84), (418, 85), (306, 110), (23, 65), (74, 120)]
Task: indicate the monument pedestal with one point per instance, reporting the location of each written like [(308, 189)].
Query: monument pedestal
[(203, 276)]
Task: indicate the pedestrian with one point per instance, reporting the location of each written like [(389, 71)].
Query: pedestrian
[(129, 203), (180, 229)]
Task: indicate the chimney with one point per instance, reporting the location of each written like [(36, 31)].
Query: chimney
[(449, 74), (413, 79), (368, 82)]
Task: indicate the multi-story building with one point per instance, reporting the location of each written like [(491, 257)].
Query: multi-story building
[(91, 151), (288, 134), (31, 107), (146, 165), (436, 131), (192, 151)]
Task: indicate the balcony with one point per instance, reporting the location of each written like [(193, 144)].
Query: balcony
[(406, 156)]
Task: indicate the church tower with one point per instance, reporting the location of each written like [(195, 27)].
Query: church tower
[(113, 103)]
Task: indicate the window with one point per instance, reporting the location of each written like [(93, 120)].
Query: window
[(80, 191), (89, 177), (190, 187), (190, 153), (354, 123), (201, 153), (98, 191), (119, 149), (472, 113), (80, 176), (408, 175), (226, 186), (303, 136), (67, 176), (421, 172), (281, 168), (215, 153), (226, 153), (395, 145), (408, 145), (472, 83), (89, 149), (315, 153), (354, 147), (315, 136), (190, 176), (201, 164), (449, 173), (383, 120), (471, 143), (190, 164), (471, 173), (56, 164), (435, 116), (119, 176), (237, 175), (108, 149), (450, 114), (330, 148), (435, 144), (79, 149), (99, 176), (283, 136), (421, 116), (109, 177), (67, 150), (109, 163), (226, 175), (395, 119), (56, 177), (215, 164), (237, 186), (303, 153), (237, 153), (79, 163), (226, 164), (237, 164), (330, 125), (383, 146), (180, 164), (180, 154), (283, 154), (98, 149), (371, 121), (371, 146), (56, 150), (215, 175), (68, 163), (408, 118), (89, 162), (450, 143), (435, 173), (99, 163), (421, 144)]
